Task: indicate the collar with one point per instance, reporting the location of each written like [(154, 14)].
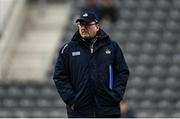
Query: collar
[(101, 39)]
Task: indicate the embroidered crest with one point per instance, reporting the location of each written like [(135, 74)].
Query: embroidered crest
[(85, 15), (108, 51)]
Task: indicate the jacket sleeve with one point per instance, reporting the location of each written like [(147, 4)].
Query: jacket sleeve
[(121, 73), (62, 79)]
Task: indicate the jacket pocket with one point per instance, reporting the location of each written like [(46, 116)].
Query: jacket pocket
[(105, 86), (107, 97), (105, 93)]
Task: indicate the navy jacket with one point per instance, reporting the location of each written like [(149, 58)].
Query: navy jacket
[(93, 78)]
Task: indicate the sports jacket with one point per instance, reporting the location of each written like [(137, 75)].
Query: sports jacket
[(92, 77)]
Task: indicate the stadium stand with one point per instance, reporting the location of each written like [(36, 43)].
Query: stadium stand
[(148, 33)]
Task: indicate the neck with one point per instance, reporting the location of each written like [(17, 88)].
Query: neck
[(89, 41)]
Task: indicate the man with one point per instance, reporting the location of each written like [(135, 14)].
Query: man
[(91, 73)]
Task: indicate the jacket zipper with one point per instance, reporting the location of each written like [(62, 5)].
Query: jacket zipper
[(92, 46)]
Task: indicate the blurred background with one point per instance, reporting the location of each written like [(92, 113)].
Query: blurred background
[(32, 32)]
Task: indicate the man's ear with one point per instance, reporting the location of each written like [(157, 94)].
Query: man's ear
[(97, 26)]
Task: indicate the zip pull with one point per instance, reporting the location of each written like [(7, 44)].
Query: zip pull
[(91, 47)]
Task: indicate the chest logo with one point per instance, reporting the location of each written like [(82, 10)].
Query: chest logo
[(75, 53), (85, 15), (108, 51)]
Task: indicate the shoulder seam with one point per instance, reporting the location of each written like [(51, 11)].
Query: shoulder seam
[(62, 51)]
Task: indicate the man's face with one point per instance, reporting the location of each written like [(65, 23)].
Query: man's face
[(88, 30)]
